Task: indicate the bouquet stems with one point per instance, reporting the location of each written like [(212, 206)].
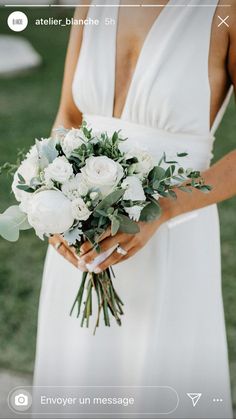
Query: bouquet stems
[(108, 300)]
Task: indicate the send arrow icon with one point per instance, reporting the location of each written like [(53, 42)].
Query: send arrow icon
[(194, 397)]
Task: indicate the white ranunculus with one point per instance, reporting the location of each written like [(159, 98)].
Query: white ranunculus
[(134, 212), (50, 212), (60, 170), (73, 139), (102, 173), (145, 161), (75, 187), (134, 190), (79, 209), (29, 169)]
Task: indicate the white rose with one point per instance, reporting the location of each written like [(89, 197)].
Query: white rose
[(79, 209), (145, 161), (102, 173), (75, 187), (134, 212), (50, 212), (134, 190), (73, 139), (32, 154), (60, 170)]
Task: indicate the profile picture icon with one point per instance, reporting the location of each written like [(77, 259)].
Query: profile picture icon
[(21, 400), (17, 21)]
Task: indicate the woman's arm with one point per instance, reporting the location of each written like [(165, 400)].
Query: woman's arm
[(221, 176), (68, 114)]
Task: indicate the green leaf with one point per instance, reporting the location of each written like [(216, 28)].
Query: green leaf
[(150, 212), (156, 174), (182, 154), (11, 222), (170, 171), (127, 225), (19, 217), (25, 188), (110, 199), (115, 224), (184, 189), (204, 188), (8, 230), (114, 137), (21, 179), (100, 212)]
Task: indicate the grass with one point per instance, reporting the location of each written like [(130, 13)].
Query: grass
[(28, 108)]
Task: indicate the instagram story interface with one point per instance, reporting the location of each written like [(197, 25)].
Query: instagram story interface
[(117, 210)]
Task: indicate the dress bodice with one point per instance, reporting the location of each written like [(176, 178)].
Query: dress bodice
[(170, 87), (167, 107)]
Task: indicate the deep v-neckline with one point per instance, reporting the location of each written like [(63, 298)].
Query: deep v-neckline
[(140, 55)]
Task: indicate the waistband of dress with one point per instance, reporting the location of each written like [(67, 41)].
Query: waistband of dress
[(110, 124)]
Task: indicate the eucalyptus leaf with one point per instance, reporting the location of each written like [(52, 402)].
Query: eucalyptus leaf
[(170, 171), (11, 222), (150, 212), (110, 199), (115, 224), (127, 225), (8, 230), (18, 216), (156, 174)]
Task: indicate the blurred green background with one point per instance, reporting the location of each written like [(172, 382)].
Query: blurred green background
[(28, 104)]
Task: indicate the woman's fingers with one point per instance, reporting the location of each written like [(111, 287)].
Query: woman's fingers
[(130, 253), (62, 247), (113, 259), (87, 246), (105, 244), (68, 255)]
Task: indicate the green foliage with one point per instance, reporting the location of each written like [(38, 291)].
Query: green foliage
[(11, 222), (127, 225), (110, 200), (151, 211)]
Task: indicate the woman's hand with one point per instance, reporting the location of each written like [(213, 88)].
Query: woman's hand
[(62, 247), (131, 243)]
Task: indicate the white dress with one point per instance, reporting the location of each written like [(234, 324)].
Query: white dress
[(173, 330)]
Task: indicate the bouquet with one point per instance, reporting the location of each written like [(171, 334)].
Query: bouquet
[(78, 184)]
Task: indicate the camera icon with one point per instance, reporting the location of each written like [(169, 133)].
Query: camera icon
[(21, 400)]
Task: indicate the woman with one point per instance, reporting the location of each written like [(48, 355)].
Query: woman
[(163, 76)]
